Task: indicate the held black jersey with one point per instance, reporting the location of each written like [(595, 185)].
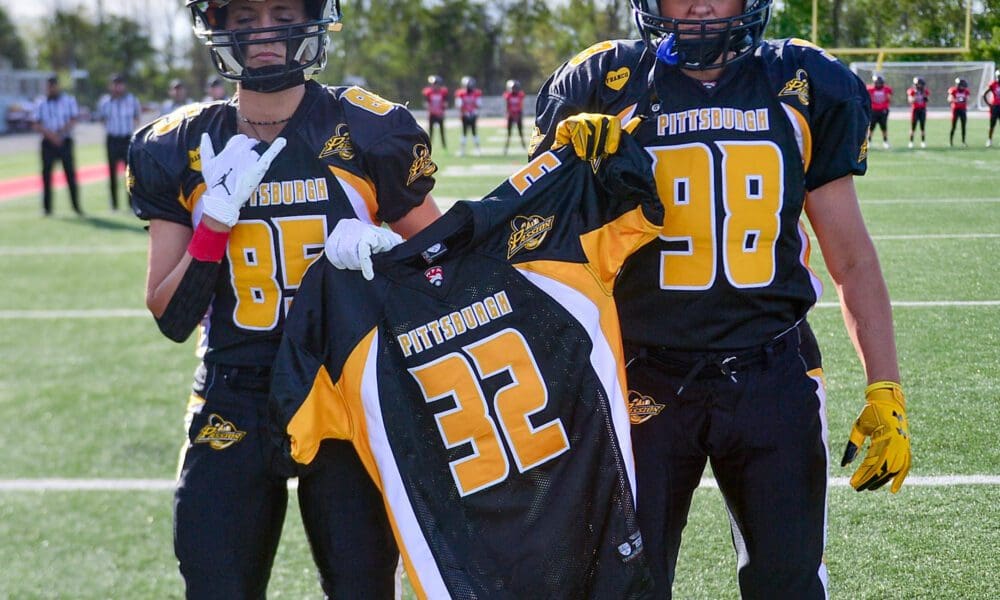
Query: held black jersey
[(479, 378), (349, 154), (733, 164)]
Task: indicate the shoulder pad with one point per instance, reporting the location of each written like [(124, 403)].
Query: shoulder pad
[(598, 75), (796, 67), (370, 116)]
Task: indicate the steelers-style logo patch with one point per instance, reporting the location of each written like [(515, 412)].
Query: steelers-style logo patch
[(422, 165), (528, 233), (863, 154), (339, 144), (642, 408), (219, 433), (797, 87)]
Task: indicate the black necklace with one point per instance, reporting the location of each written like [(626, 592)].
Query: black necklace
[(277, 122)]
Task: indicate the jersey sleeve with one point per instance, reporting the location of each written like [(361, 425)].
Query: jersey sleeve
[(588, 82), (154, 180), (396, 158), (839, 117)]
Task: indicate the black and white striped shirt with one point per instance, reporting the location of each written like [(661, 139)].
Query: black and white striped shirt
[(119, 114), (55, 113)]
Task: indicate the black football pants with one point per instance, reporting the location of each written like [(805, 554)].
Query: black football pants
[(229, 506), (759, 419)]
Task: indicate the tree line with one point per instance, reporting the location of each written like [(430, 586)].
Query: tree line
[(393, 45)]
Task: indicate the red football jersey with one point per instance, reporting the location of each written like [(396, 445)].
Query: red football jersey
[(468, 101), (880, 97), (918, 98), (437, 100), (959, 97), (995, 89), (515, 103)]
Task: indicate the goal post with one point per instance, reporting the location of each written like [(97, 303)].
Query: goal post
[(939, 77)]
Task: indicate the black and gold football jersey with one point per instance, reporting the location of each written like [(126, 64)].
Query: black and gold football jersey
[(733, 162), (350, 154), (479, 378)]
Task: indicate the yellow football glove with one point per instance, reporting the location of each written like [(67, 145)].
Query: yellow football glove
[(592, 135), (883, 419)]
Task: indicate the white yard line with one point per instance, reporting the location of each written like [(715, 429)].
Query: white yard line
[(938, 236), (139, 485), (930, 201), (39, 250), (96, 313)]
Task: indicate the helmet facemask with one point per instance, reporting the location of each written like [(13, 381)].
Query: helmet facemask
[(305, 44), (701, 43)]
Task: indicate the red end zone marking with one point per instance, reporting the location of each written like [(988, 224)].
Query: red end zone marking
[(32, 184)]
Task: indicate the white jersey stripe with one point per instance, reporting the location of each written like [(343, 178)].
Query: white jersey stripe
[(415, 546), (602, 358)]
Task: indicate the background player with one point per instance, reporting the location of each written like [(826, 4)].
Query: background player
[(722, 365), (881, 96), (992, 97), (917, 95), (958, 96), (231, 235), (436, 100), (513, 98), (469, 99)]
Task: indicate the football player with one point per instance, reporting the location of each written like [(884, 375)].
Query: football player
[(513, 98), (958, 97), (917, 95), (992, 97), (722, 366), (469, 99), (436, 99), (881, 96), (240, 197)]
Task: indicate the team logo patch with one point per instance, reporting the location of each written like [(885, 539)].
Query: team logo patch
[(435, 276), (630, 548), (422, 165), (797, 87), (642, 408), (339, 144), (528, 233), (219, 433), (863, 154), (616, 80)]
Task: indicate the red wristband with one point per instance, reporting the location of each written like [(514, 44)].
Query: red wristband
[(208, 245)]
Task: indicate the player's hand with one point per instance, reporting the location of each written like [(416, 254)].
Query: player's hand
[(884, 420), (591, 135), (232, 175), (352, 243)]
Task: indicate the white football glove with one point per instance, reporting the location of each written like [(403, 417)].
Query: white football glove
[(233, 174), (352, 243)]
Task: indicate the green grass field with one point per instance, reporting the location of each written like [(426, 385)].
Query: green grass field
[(90, 390)]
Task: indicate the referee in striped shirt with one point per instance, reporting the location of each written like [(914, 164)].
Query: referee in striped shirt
[(120, 112), (54, 117)]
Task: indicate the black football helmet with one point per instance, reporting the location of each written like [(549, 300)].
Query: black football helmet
[(435, 80), (468, 82), (878, 80), (961, 83), (919, 82), (700, 43), (305, 42), (513, 85)]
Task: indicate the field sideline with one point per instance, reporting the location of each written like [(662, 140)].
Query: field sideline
[(92, 396)]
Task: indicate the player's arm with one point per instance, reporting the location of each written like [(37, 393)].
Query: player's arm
[(420, 216), (853, 264)]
